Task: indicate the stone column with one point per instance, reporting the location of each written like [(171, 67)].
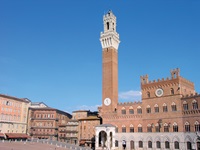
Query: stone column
[(97, 140)]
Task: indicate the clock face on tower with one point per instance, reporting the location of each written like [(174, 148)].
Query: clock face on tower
[(107, 101), (159, 92)]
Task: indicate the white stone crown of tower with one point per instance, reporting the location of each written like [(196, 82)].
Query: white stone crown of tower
[(109, 38)]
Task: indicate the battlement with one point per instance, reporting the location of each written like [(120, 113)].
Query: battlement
[(175, 73), (191, 95), (129, 103)]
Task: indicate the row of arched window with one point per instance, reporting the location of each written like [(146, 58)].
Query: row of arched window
[(157, 144), (194, 105), (157, 109), (157, 127)]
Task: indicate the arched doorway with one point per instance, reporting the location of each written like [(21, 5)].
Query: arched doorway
[(132, 145), (104, 137)]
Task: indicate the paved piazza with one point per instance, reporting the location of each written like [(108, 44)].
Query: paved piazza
[(34, 146), (28, 146)]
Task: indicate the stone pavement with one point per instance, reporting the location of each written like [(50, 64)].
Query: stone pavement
[(35, 146)]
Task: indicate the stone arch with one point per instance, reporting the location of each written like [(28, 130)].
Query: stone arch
[(157, 138), (166, 138), (149, 138), (188, 139), (175, 138)]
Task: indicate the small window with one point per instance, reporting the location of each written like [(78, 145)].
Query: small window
[(172, 91), (148, 109), (167, 146), (131, 111), (165, 108), (187, 127), (139, 110), (123, 111), (123, 129), (166, 128), (139, 128), (149, 144), (176, 145), (107, 25), (148, 94), (189, 145), (131, 129), (140, 144), (149, 128), (158, 145), (185, 105), (197, 126), (194, 104), (175, 127), (156, 108), (174, 107)]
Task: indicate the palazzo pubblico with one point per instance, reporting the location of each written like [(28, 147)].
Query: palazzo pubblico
[(168, 117)]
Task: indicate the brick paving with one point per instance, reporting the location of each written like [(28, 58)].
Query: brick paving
[(29, 146)]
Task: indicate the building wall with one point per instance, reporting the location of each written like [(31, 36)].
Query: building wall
[(44, 122), (13, 114)]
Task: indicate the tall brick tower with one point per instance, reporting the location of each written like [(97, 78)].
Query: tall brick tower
[(109, 42)]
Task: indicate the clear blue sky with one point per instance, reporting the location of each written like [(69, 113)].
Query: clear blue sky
[(50, 50)]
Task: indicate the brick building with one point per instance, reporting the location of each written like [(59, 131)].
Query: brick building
[(69, 132), (87, 121), (168, 116), (44, 122), (13, 117)]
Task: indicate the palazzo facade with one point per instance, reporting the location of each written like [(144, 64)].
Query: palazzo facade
[(168, 116)]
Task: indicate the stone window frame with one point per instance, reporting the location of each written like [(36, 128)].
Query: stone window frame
[(185, 105), (156, 108), (197, 126), (173, 106), (187, 127), (165, 109), (148, 109), (175, 127), (194, 105)]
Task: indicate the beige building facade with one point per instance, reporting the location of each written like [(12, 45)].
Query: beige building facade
[(13, 116)]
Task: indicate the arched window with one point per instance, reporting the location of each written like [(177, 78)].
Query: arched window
[(176, 145), (166, 127), (172, 91), (185, 105), (123, 111), (189, 145), (139, 110), (156, 108), (149, 144), (116, 143), (148, 109), (123, 128), (132, 144), (173, 107), (165, 108), (187, 127), (131, 111), (148, 94), (158, 145), (194, 104), (131, 128), (149, 128), (139, 128), (107, 25), (175, 127), (197, 126), (140, 144), (167, 146), (157, 127)]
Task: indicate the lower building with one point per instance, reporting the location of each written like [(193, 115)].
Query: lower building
[(69, 132), (44, 122), (13, 117)]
